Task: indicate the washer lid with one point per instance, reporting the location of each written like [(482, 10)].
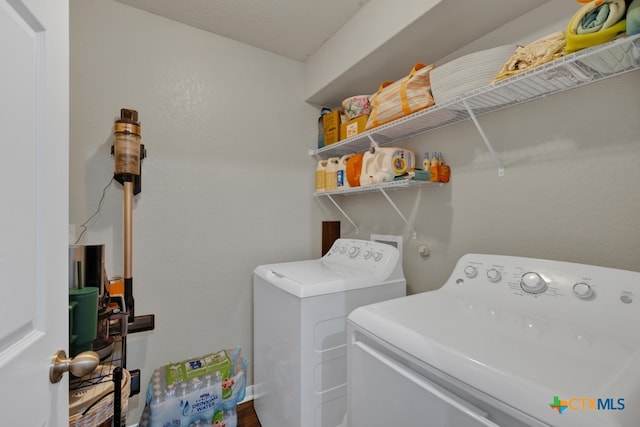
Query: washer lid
[(522, 358), (314, 277)]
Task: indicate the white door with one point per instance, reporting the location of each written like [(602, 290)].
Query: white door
[(34, 120)]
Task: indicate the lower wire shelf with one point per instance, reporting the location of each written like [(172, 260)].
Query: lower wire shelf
[(387, 185), (92, 398), (101, 397)]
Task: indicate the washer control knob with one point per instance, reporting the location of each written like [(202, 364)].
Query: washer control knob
[(532, 283), (494, 275), (583, 290), (353, 252), (343, 249), (368, 254), (377, 257), (470, 271)]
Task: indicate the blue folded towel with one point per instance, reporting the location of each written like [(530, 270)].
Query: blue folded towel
[(633, 18), (594, 20)]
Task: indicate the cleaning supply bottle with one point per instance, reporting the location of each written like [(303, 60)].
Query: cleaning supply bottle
[(426, 164), (354, 169), (341, 177), (385, 163), (433, 168), (331, 174), (320, 175), (444, 171)]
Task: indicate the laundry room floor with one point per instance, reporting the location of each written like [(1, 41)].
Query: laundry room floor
[(247, 415)]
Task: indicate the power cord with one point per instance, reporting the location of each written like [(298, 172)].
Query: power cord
[(84, 225)]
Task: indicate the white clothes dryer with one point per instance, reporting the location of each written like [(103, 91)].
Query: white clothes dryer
[(507, 341), (300, 342)]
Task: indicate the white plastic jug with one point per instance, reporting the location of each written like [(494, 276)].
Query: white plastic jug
[(385, 163), (331, 174), (320, 175)]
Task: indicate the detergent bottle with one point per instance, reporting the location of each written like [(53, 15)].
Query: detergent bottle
[(331, 174), (320, 175), (385, 163), (342, 181), (354, 169), (444, 171), (433, 167)]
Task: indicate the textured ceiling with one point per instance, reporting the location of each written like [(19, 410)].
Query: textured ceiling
[(291, 28)]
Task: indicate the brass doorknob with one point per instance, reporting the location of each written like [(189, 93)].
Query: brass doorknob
[(81, 365)]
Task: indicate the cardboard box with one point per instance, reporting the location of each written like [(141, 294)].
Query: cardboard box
[(331, 122), (353, 127)]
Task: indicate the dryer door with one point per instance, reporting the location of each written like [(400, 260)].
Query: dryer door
[(386, 393)]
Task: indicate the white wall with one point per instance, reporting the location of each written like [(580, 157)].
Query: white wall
[(570, 189), (227, 184)]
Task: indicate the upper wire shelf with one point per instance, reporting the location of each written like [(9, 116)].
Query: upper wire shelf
[(576, 69)]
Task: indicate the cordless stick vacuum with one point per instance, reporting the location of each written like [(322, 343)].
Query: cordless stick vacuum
[(128, 154)]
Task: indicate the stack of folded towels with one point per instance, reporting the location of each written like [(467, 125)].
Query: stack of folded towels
[(597, 22)]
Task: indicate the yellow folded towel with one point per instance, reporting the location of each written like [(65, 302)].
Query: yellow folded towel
[(534, 54)]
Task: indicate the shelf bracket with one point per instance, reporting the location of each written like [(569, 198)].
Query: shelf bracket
[(484, 138), (393, 205), (343, 212)]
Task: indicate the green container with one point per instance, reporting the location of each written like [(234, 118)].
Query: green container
[(83, 319)]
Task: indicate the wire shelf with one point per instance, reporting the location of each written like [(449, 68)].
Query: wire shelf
[(398, 184), (577, 69), (91, 397)]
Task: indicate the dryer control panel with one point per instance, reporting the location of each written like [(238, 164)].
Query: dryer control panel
[(538, 282), (379, 259)]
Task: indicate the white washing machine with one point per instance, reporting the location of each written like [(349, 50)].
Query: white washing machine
[(300, 315), (507, 341)]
